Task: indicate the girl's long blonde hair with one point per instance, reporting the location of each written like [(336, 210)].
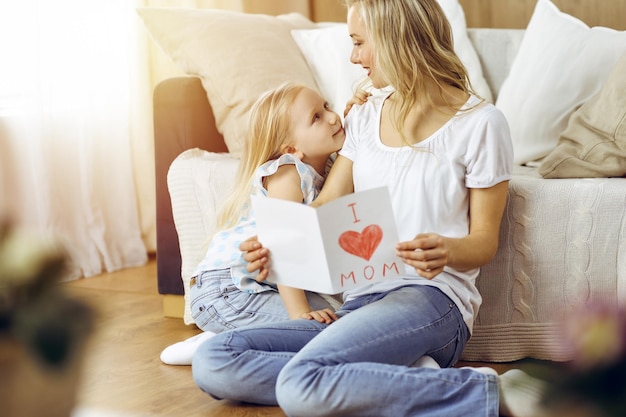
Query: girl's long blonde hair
[(268, 130), (412, 42)]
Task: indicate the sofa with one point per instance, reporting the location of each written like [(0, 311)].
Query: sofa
[(562, 240)]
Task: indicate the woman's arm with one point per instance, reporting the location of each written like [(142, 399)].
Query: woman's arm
[(429, 253)]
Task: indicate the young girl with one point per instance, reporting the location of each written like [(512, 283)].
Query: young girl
[(291, 136), (446, 157)]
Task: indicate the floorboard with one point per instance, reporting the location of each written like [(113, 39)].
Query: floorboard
[(122, 373)]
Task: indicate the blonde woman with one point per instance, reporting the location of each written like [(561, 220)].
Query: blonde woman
[(446, 157)]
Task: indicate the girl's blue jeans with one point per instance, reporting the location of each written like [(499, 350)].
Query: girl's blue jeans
[(217, 305), (358, 366)]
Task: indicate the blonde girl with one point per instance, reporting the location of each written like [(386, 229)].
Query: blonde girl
[(446, 157), (291, 137)]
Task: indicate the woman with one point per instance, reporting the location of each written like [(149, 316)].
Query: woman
[(446, 157)]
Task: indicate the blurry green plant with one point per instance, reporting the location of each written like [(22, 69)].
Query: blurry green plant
[(35, 309)]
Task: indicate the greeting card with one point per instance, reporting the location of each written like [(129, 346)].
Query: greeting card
[(346, 243)]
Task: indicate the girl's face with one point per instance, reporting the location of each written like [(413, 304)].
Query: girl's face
[(362, 51), (316, 130)]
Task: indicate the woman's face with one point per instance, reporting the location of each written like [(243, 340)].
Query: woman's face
[(362, 51)]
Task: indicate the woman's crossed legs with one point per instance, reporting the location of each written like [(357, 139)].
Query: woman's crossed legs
[(359, 365)]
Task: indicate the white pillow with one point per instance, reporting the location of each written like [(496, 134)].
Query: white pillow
[(561, 63), (237, 56), (327, 51)]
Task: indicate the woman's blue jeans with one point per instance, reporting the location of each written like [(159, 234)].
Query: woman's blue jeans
[(358, 366)]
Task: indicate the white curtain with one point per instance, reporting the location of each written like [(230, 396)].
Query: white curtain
[(76, 137), (73, 94)]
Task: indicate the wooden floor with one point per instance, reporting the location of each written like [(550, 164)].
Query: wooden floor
[(123, 373)]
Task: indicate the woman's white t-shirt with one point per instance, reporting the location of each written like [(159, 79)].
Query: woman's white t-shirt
[(429, 183)]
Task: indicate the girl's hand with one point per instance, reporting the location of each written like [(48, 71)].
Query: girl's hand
[(427, 253), (359, 97), (256, 256), (323, 316)]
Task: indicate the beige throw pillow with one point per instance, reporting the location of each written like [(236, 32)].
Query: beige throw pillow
[(237, 56), (594, 142)]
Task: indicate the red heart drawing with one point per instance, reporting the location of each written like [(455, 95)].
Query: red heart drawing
[(362, 244)]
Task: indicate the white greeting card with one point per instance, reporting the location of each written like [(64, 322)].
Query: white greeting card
[(346, 243)]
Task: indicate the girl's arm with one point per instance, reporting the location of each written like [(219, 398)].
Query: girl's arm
[(285, 184), (429, 253), (338, 183), (359, 97), (297, 306)]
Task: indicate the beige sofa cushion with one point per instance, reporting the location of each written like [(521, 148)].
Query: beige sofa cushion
[(238, 56), (594, 143)]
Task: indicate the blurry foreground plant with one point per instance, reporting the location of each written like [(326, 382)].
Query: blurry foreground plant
[(593, 383), (35, 311)]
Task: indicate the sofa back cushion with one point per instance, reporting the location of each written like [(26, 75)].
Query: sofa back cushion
[(496, 49), (238, 56), (561, 63)]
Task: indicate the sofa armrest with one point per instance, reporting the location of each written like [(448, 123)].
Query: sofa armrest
[(183, 119)]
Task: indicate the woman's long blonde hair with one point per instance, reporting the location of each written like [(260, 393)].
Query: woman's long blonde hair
[(268, 130), (412, 42)]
